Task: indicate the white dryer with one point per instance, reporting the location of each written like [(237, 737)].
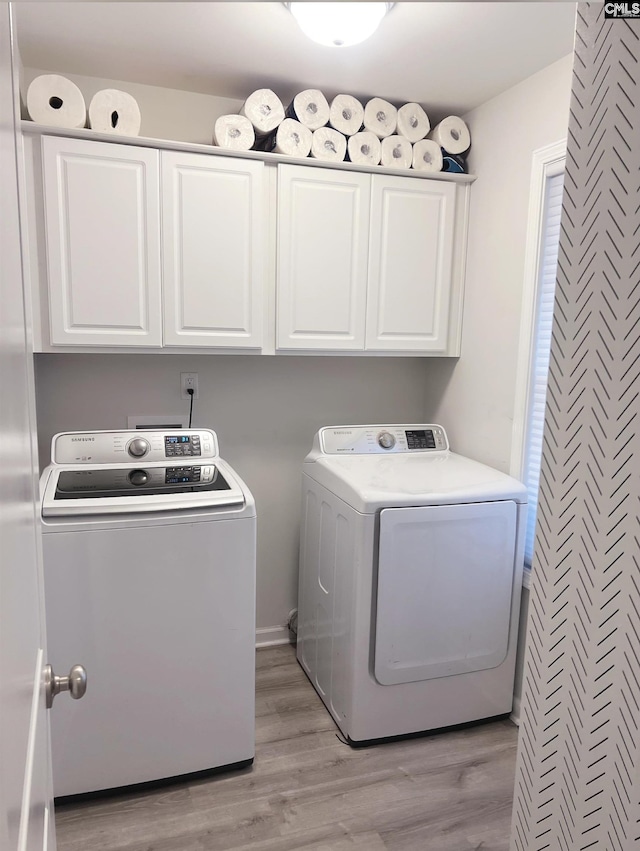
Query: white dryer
[(149, 544), (410, 577)]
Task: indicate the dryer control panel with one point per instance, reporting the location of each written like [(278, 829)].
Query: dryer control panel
[(382, 439), (132, 446)]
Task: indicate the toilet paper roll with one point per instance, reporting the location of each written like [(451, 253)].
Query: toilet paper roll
[(113, 111), (427, 155), (55, 100), (413, 122), (234, 132), (310, 108), (291, 138), (328, 144), (452, 134), (397, 152), (264, 110), (364, 148), (346, 114), (380, 117)]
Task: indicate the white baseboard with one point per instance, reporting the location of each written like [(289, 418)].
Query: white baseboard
[(270, 636), (515, 714)]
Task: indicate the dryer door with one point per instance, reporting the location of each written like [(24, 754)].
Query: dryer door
[(445, 581)]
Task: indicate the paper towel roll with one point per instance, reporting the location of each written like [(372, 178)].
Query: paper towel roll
[(310, 108), (234, 132), (452, 134), (328, 144), (113, 111), (364, 148), (264, 110), (291, 138), (55, 100), (427, 155), (346, 114), (397, 152), (413, 122), (380, 117)]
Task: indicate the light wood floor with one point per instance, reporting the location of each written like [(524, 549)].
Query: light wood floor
[(307, 790)]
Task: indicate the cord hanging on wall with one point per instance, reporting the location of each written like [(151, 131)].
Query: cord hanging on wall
[(190, 391)]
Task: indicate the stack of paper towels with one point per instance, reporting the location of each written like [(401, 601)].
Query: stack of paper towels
[(57, 101), (367, 134)]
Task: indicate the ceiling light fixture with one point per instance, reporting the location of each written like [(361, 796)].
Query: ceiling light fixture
[(338, 24)]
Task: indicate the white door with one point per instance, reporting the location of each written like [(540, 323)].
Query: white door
[(323, 223), (445, 580), (25, 782), (410, 259), (214, 262), (103, 243)]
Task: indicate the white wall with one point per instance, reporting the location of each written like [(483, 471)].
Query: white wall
[(475, 396), (264, 409), (166, 113)]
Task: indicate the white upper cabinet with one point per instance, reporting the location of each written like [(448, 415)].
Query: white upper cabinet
[(213, 250), (103, 243), (365, 262), (410, 261), (323, 228), (137, 247)]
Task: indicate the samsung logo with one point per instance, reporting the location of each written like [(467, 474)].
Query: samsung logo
[(342, 432), (82, 439)]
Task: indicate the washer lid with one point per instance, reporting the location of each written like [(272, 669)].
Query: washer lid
[(111, 489), (371, 482)]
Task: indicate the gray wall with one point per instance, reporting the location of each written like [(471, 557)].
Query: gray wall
[(578, 780), (265, 411)]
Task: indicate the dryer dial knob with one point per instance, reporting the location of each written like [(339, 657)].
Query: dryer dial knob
[(138, 477), (138, 447), (386, 440)]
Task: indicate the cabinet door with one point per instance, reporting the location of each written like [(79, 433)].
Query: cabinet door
[(410, 258), (322, 258), (103, 243), (213, 250)]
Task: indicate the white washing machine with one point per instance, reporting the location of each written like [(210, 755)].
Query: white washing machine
[(410, 577), (149, 542)]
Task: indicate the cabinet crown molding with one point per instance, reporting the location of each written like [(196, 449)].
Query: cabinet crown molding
[(33, 129)]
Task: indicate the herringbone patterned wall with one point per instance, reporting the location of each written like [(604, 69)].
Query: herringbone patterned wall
[(578, 780)]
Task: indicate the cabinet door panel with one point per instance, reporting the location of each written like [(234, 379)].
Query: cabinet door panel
[(213, 250), (410, 256), (103, 232), (322, 258)]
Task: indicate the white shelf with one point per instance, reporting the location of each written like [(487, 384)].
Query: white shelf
[(168, 145)]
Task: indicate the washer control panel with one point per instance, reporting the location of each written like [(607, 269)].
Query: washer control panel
[(132, 446), (383, 439)]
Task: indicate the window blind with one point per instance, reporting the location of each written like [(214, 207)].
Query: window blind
[(550, 238)]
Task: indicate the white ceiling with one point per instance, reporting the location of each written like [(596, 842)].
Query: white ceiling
[(448, 56)]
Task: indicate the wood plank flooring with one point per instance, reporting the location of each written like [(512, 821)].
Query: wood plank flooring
[(307, 790)]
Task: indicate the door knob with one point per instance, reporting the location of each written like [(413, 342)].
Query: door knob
[(75, 683)]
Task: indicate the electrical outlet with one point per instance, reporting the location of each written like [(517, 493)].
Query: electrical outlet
[(189, 380)]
